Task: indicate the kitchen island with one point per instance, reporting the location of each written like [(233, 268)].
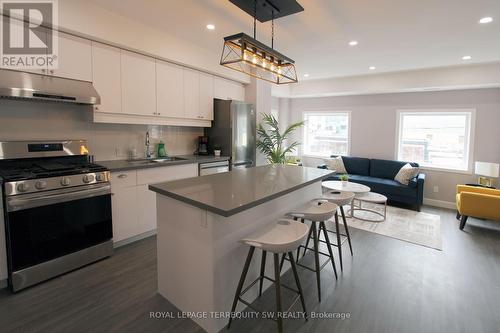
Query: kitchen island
[(200, 221)]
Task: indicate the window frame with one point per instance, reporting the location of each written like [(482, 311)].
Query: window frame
[(323, 112), (442, 111)]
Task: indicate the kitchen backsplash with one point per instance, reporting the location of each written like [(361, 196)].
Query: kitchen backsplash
[(26, 120)]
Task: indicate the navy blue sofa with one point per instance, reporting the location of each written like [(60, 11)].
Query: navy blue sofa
[(379, 176)]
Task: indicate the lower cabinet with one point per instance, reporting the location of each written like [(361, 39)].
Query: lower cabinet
[(134, 205)]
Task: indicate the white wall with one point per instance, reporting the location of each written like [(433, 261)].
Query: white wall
[(25, 120), (373, 127)]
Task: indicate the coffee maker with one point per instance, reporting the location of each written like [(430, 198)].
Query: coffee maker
[(203, 145)]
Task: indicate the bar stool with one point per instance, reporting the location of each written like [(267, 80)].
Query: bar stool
[(340, 198), (316, 211), (284, 236)]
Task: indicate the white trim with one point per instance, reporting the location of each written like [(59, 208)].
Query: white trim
[(121, 118), (326, 111), (134, 238), (470, 132), (440, 203)]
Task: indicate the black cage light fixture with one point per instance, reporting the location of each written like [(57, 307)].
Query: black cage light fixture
[(246, 54)]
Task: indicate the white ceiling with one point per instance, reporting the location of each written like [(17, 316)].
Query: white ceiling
[(393, 35)]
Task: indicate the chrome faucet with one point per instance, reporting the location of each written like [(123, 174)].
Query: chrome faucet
[(148, 146)]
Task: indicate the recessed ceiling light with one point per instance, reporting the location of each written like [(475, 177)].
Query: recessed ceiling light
[(372, 68), (210, 26), (306, 75), (485, 20), (466, 57), (353, 43)]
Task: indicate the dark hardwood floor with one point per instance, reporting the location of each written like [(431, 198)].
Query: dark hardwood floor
[(388, 286)]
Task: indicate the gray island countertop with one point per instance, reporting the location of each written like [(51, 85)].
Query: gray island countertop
[(231, 192)]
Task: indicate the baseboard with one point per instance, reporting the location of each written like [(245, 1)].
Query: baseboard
[(3, 283), (440, 203), (134, 238)]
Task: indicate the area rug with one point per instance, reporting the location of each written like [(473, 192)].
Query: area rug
[(407, 225)]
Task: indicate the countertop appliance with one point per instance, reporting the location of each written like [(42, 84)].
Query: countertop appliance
[(210, 168), (233, 130), (202, 145), (57, 209)]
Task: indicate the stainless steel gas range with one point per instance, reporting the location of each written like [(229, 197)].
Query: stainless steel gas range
[(56, 209)]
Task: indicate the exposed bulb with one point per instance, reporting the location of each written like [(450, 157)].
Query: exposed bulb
[(254, 60)]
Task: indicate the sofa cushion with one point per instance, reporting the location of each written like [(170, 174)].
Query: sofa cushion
[(336, 163), (406, 173), (386, 168), (384, 186), (356, 165)]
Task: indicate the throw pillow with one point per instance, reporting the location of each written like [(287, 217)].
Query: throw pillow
[(406, 173), (336, 164)]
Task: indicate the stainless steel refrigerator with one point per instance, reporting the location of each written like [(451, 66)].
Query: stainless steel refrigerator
[(233, 130)]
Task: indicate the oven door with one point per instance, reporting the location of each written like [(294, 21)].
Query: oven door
[(44, 226)]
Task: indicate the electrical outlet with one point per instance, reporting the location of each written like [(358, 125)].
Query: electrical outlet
[(436, 189)]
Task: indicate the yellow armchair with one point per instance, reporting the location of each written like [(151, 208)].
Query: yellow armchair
[(478, 202)]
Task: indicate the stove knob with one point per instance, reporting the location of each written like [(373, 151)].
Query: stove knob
[(41, 184), (65, 181), (99, 177), (88, 178), (23, 187)]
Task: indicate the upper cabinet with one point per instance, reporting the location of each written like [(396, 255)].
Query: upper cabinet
[(191, 93), (206, 107), (138, 84), (169, 90), (106, 76), (75, 58), (225, 89)]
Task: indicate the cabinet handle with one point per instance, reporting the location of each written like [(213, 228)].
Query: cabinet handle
[(97, 108), (158, 113), (51, 71), (122, 176), (43, 70)]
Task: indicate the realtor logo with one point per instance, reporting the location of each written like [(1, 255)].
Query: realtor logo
[(28, 39)]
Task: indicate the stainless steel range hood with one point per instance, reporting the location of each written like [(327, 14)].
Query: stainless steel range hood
[(14, 84)]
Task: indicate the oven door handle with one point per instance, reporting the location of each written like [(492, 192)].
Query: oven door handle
[(15, 204)]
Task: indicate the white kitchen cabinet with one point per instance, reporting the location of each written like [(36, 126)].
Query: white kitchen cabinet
[(191, 93), (206, 108), (226, 89), (74, 58), (124, 203), (138, 84), (134, 205), (106, 77), (169, 90)]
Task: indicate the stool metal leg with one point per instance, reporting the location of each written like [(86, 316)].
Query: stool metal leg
[(339, 242), (307, 243), (279, 314), (322, 227), (346, 229), (297, 281), (242, 281), (262, 271), (316, 258)]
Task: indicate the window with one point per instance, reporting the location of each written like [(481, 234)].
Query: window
[(326, 133), (438, 139)]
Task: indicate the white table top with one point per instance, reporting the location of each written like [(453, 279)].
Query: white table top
[(371, 197), (345, 186)]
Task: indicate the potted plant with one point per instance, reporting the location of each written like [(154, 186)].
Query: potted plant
[(217, 150), (344, 178), (271, 141)]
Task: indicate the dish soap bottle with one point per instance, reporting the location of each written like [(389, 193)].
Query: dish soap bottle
[(160, 150)]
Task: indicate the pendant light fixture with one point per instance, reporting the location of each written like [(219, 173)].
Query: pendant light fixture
[(246, 54)]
